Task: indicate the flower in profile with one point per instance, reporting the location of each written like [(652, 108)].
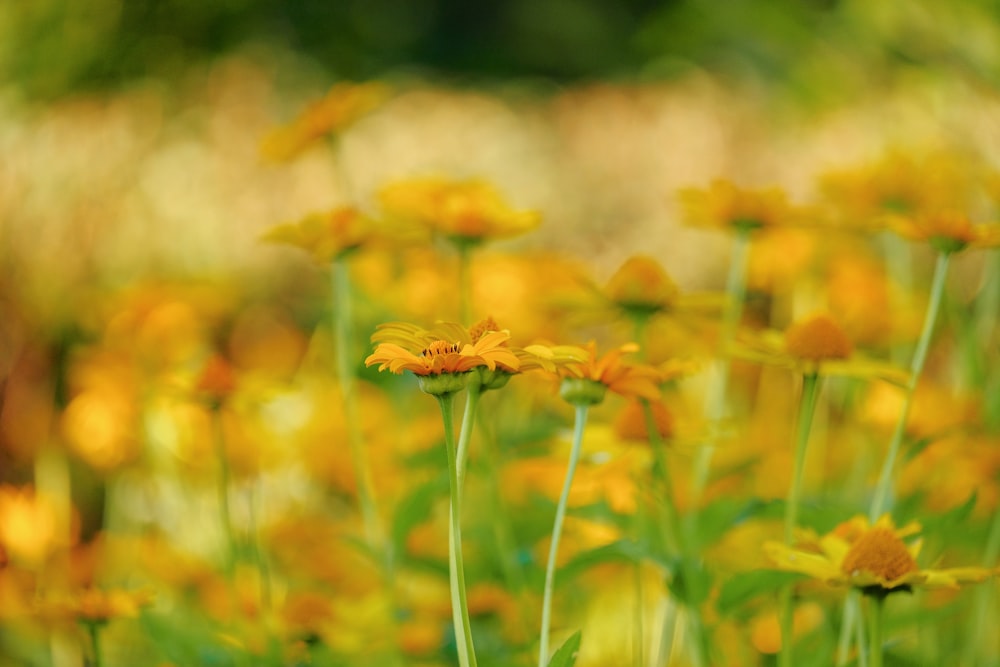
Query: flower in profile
[(97, 605), (342, 106), (816, 345), (585, 382), (727, 206), (327, 235), (875, 558), (441, 364), (947, 230), (466, 212)]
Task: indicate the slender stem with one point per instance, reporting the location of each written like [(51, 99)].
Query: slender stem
[(459, 601), (225, 515), (984, 595), (461, 456), (715, 399), (850, 617), (550, 568), (807, 406), (94, 632), (342, 331), (882, 489), (876, 604), (473, 392)]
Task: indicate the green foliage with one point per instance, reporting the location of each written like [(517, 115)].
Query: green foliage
[(566, 655)]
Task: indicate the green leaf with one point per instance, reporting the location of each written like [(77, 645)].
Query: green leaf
[(745, 586), (616, 552), (566, 655), (691, 583)]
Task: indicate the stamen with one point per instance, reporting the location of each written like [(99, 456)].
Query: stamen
[(439, 347), (880, 552)]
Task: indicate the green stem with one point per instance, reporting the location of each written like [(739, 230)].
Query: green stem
[(550, 568), (225, 515), (715, 400), (94, 632), (847, 627), (876, 604), (342, 331), (459, 600), (882, 489), (807, 407), (984, 596)]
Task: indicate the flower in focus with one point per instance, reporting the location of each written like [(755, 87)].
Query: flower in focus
[(727, 206), (343, 104), (465, 212), (441, 364), (585, 382), (328, 235), (872, 557), (814, 345)]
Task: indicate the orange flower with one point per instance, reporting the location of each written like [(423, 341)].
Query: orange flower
[(586, 381), (344, 104), (466, 212), (947, 230), (328, 235), (725, 205), (441, 364)]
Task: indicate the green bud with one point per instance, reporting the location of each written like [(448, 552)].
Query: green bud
[(443, 383)]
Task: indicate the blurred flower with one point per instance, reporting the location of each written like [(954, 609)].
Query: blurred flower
[(96, 605), (814, 345), (873, 558), (947, 230), (29, 525), (765, 629), (465, 212), (328, 235), (630, 423), (725, 205), (344, 104), (216, 382)]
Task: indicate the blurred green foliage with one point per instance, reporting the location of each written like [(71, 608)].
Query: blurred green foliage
[(50, 47)]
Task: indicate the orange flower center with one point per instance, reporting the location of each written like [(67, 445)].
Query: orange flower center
[(816, 339), (439, 347), (880, 552)]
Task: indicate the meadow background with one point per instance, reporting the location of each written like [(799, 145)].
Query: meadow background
[(134, 195)]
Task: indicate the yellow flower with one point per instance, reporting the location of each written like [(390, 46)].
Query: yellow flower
[(344, 104), (727, 206), (874, 558), (947, 230), (328, 235), (29, 525), (466, 212), (814, 345), (96, 605)]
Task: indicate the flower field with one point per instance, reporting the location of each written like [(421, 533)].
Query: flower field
[(672, 371)]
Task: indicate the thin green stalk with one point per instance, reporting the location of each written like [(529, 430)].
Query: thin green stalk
[(225, 514), (94, 632), (984, 596), (715, 399), (550, 568), (459, 600), (883, 488), (850, 617), (876, 604), (807, 407), (342, 331)]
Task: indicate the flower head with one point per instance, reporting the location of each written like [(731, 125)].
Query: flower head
[(814, 345), (328, 235), (725, 205), (586, 381), (875, 558), (466, 212), (343, 104), (641, 285), (947, 230), (440, 357)]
